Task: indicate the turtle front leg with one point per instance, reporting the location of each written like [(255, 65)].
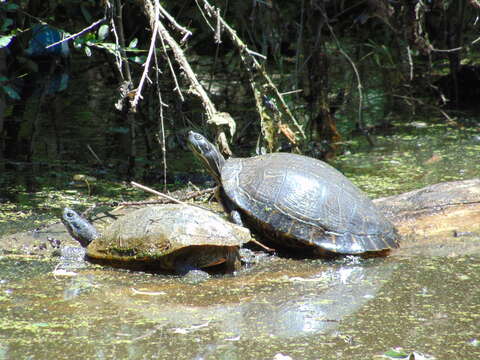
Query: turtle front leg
[(236, 218), (228, 206)]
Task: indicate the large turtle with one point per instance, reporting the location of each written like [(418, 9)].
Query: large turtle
[(297, 202), (168, 237)]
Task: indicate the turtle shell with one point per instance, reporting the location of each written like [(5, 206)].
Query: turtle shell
[(298, 201), (168, 236)]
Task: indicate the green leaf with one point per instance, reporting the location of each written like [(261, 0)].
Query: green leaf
[(5, 40), (11, 7), (138, 59), (133, 43), (11, 92), (6, 24), (110, 47), (88, 51), (103, 32), (396, 353), (77, 44)]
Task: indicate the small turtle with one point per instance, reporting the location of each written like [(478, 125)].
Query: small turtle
[(169, 237), (297, 202)]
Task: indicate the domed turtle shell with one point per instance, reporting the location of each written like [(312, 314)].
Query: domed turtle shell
[(300, 201), (169, 237)]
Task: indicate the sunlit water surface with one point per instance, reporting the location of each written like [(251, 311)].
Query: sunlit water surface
[(424, 299), (305, 309)]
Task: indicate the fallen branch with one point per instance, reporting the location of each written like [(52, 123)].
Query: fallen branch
[(214, 117), (146, 188), (419, 101), (191, 195), (158, 193)]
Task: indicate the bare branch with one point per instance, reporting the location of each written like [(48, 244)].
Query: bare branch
[(87, 29), (214, 117), (177, 88), (154, 192), (187, 33), (146, 65), (359, 82)]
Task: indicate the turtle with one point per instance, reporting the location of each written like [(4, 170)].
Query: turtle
[(170, 237), (297, 203)]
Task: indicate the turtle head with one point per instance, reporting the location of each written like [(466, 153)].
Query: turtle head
[(78, 227), (207, 153)]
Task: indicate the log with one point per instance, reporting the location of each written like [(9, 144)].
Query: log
[(449, 209)]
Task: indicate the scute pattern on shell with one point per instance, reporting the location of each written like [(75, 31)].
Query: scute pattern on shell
[(304, 199), (168, 233)]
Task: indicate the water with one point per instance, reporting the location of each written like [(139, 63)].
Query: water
[(308, 309), (423, 298)]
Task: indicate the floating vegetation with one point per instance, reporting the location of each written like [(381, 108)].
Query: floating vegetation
[(413, 158)]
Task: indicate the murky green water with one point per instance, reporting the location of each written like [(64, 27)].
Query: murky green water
[(305, 309), (414, 157)]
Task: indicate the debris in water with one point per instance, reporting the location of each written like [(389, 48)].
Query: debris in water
[(150, 293)]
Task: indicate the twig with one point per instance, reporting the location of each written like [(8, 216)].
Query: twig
[(148, 333), (94, 155), (88, 28), (426, 105), (359, 82), (198, 193), (149, 293), (410, 62), (162, 141), (448, 50), (121, 39), (170, 66), (204, 17), (158, 193), (180, 57), (214, 117), (254, 53), (162, 125), (189, 196), (145, 202), (146, 66), (118, 57), (146, 188), (187, 33), (292, 92)]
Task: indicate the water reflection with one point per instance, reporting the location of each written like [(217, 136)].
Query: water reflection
[(299, 308), (285, 306)]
